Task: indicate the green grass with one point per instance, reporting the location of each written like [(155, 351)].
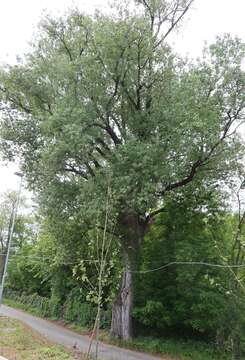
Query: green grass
[(177, 349), (25, 307), (19, 342)]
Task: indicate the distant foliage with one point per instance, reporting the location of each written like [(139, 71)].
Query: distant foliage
[(186, 298), (73, 311)]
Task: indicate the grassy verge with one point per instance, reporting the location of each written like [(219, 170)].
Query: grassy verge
[(25, 307), (19, 342), (176, 349)]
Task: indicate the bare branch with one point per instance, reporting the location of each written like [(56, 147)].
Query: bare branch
[(174, 20)]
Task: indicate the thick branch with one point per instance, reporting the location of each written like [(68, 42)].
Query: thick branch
[(72, 169), (187, 179), (197, 164), (113, 135), (90, 170)]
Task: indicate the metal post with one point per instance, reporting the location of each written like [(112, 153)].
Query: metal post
[(10, 237)]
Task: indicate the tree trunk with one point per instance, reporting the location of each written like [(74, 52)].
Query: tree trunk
[(133, 233), (121, 325), (2, 262), (236, 347)]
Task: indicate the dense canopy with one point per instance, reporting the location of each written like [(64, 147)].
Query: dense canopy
[(104, 100)]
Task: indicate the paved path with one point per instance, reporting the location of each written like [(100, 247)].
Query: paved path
[(68, 338)]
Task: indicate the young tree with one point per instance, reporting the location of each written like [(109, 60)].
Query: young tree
[(106, 97)]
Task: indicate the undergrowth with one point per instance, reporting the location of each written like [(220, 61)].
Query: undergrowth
[(178, 349)]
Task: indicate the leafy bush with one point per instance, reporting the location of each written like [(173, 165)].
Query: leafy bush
[(74, 310), (182, 349), (153, 314), (83, 314), (105, 319), (42, 306)]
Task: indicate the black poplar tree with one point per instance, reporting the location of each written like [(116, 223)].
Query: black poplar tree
[(106, 98)]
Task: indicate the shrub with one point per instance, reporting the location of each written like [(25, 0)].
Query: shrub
[(153, 314), (75, 310)]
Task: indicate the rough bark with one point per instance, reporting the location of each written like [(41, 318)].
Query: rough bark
[(236, 347), (122, 308), (2, 262), (133, 230)]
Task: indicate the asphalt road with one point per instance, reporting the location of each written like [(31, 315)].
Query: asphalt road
[(68, 338)]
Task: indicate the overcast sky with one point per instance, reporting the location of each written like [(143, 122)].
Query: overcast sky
[(18, 19)]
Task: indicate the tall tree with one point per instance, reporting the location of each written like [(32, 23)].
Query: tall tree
[(104, 99), (183, 294)]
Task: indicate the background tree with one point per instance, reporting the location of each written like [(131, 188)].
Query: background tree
[(232, 323), (106, 97), (188, 296)]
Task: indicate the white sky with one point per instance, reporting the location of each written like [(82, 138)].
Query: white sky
[(18, 19)]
